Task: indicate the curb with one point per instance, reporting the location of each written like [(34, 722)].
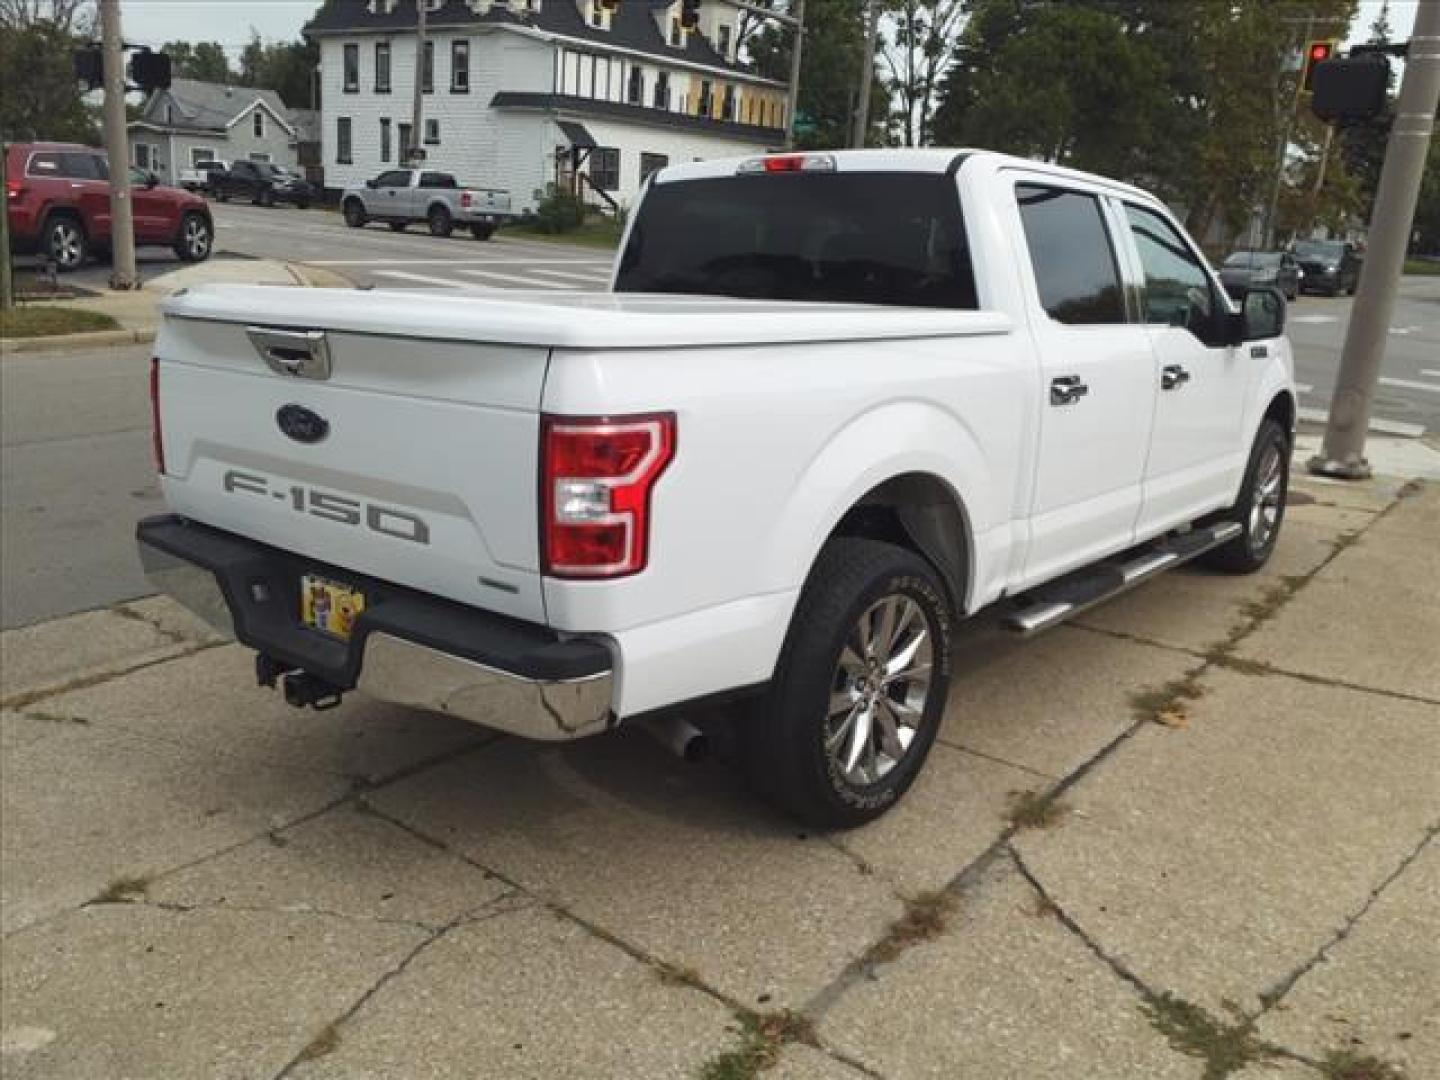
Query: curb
[(75, 341)]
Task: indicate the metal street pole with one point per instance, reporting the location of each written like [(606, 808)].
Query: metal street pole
[(416, 137), (867, 68), (792, 102), (117, 149), (1343, 453), (7, 286)]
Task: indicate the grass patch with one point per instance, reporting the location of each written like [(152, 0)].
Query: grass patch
[(598, 232), (123, 890), (1345, 1065), (1423, 267), (1035, 810), (925, 917), (1225, 1048), (39, 320), (327, 1042), (762, 1037)]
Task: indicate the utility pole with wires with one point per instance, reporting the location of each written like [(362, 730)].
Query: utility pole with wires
[(792, 96), (418, 105), (867, 69), (123, 275)]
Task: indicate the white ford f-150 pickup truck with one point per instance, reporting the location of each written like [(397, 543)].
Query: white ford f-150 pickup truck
[(831, 405)]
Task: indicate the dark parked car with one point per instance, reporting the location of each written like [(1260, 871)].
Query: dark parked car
[(1331, 266), (1247, 269), (263, 184), (58, 200)]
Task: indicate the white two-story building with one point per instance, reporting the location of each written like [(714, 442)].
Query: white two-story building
[(526, 94)]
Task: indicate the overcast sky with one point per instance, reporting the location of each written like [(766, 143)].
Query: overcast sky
[(154, 22)]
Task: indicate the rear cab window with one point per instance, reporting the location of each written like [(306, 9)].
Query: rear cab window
[(437, 180), (889, 238)]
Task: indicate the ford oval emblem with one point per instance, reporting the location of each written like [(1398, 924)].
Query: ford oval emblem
[(302, 424)]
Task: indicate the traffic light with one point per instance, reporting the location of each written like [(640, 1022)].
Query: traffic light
[(1355, 88), (89, 67), (1316, 53), (689, 14), (150, 71)]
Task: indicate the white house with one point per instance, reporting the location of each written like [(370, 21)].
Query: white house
[(196, 121), (523, 94)]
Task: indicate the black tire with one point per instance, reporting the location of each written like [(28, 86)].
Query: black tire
[(1259, 525), (302, 204), (354, 212), (439, 221), (784, 742), (481, 231), (399, 226), (65, 243), (222, 195), (196, 238), (267, 197)]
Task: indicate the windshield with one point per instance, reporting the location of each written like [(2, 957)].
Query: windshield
[(1253, 258), (1325, 249), (869, 238)]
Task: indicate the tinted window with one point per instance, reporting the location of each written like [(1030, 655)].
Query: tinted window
[(44, 165), (352, 67), (871, 238), (394, 178), (1075, 268), (1177, 288), (437, 180), (1253, 258), (1320, 249)]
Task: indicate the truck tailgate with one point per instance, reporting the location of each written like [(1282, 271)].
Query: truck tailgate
[(413, 461)]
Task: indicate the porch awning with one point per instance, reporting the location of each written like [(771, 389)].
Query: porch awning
[(578, 136)]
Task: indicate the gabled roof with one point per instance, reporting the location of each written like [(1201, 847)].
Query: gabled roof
[(632, 26), (205, 106)]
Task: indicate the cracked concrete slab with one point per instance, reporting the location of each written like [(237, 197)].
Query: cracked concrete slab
[(679, 860), (211, 701), (174, 620), (954, 812), (1215, 858), (132, 991), (801, 1062), (1371, 495), (1051, 703), (62, 652), (1416, 515), (85, 805), (346, 861), (1378, 991), (1007, 990), (526, 995), (1389, 642)]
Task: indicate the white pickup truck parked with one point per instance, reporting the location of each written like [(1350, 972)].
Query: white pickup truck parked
[(401, 196), (833, 404)]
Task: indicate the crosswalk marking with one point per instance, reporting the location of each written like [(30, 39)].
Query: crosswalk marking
[(570, 275), (492, 261), (1382, 427), (1411, 384), (423, 279), (517, 279)]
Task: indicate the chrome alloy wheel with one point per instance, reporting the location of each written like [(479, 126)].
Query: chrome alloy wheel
[(67, 244), (879, 692), (1265, 507), (196, 237)]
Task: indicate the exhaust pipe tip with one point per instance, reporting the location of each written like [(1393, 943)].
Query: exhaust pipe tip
[(680, 737)]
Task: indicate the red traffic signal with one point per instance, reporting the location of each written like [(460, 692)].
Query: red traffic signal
[(1317, 52)]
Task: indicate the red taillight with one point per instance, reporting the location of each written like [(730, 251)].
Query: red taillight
[(159, 442), (596, 475), (785, 163), (465, 200), (14, 189)]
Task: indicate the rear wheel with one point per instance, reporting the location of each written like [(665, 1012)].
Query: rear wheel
[(65, 242), (1260, 509), (196, 238), (482, 232), (398, 226), (860, 688), (354, 213), (222, 195), (439, 221)]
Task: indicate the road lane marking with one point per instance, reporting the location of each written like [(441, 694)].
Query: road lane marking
[(517, 279), (570, 275), (1433, 373), (1314, 318), (1303, 388), (1411, 384), (1378, 425), (425, 279), (492, 261)]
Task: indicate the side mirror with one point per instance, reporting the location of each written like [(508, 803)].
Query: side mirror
[(1261, 316)]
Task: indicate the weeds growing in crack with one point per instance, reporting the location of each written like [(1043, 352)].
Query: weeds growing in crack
[(676, 975), (1346, 1065), (763, 1036), (123, 890), (1151, 705), (55, 718), (1035, 810), (925, 917), (1224, 1048), (327, 1042)]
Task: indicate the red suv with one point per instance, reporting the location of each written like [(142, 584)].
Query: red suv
[(58, 198)]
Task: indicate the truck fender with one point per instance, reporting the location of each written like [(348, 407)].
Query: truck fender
[(893, 439)]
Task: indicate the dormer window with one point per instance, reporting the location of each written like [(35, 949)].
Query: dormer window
[(257, 120), (722, 41), (599, 15), (677, 33), (635, 92)]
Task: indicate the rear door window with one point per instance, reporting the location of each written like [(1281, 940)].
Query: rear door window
[(394, 178), (437, 180), (44, 164), (866, 238), (1076, 272)]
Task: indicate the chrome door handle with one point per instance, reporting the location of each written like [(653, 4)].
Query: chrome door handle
[(1067, 389), (1173, 376)]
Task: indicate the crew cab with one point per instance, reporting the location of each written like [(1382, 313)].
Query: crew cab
[(401, 196), (832, 405), (263, 184), (57, 197)]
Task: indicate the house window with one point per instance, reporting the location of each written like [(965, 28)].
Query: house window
[(342, 141), (257, 123), (727, 106), (352, 67), (597, 14), (260, 157), (142, 156), (605, 168), (635, 92), (385, 139), (427, 69), (406, 145), (169, 114), (199, 154), (706, 101), (382, 67), (722, 42), (432, 132), (460, 67), (651, 163), (662, 90), (677, 33)]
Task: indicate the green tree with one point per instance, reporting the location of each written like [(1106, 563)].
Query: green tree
[(917, 48), (284, 67), (203, 60), (39, 97)]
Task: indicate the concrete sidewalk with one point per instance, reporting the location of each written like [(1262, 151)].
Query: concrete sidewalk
[(1191, 836)]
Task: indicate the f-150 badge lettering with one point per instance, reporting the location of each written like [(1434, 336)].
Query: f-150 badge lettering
[(385, 520)]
